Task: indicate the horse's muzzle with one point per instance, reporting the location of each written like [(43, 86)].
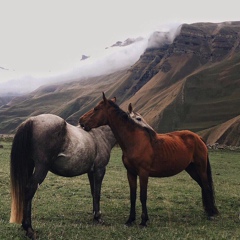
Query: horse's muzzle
[(84, 127)]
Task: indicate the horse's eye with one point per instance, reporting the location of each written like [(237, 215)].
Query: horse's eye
[(139, 119)]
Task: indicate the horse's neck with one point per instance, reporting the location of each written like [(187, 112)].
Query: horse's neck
[(104, 134), (121, 129), (109, 136)]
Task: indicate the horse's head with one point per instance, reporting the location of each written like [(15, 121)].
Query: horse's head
[(97, 116), (137, 118)]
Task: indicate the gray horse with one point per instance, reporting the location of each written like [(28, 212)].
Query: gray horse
[(48, 143)]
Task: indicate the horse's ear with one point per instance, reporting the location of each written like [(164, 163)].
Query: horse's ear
[(130, 109), (104, 98), (114, 99)]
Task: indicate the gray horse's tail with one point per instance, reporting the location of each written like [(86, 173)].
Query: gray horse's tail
[(21, 168)]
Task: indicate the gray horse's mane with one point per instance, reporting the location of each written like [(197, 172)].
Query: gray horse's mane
[(125, 117)]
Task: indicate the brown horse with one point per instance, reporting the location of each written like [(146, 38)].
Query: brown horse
[(149, 154)]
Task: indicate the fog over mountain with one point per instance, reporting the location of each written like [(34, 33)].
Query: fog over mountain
[(106, 61)]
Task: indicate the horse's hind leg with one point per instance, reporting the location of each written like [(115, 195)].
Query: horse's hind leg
[(31, 188), (204, 179), (95, 179), (192, 171)]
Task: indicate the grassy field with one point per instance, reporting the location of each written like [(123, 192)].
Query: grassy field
[(62, 206)]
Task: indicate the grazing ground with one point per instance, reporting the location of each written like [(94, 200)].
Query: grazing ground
[(62, 206)]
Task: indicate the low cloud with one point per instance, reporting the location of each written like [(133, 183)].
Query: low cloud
[(112, 59), (164, 36)]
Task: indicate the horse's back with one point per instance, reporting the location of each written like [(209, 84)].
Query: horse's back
[(77, 138), (175, 151), (192, 141), (77, 153), (47, 123), (182, 139), (48, 131)]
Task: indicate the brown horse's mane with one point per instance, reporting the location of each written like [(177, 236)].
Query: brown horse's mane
[(125, 117)]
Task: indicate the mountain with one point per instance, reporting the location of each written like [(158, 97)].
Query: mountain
[(190, 80)]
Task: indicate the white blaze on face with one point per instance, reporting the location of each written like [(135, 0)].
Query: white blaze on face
[(137, 118)]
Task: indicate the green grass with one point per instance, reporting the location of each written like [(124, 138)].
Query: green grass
[(62, 206)]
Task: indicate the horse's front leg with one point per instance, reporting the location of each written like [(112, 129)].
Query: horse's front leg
[(132, 180), (91, 181), (96, 179), (143, 179)]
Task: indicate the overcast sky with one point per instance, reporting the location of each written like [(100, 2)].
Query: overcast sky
[(48, 37)]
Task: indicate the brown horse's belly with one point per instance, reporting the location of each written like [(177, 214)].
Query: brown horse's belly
[(168, 173), (168, 168)]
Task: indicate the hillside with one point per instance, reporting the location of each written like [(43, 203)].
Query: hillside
[(192, 82), (5, 99), (227, 133)]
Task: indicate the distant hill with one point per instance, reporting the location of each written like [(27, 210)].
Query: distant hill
[(227, 133), (190, 82), (6, 99)]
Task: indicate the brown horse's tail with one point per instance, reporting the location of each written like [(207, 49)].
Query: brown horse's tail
[(213, 209), (21, 168)]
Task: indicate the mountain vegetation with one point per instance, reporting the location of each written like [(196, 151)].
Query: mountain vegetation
[(189, 82)]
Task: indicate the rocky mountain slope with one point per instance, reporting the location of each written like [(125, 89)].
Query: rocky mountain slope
[(190, 82)]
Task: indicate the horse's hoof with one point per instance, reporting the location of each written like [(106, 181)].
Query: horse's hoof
[(142, 225), (98, 221), (211, 218), (129, 222), (31, 234)]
